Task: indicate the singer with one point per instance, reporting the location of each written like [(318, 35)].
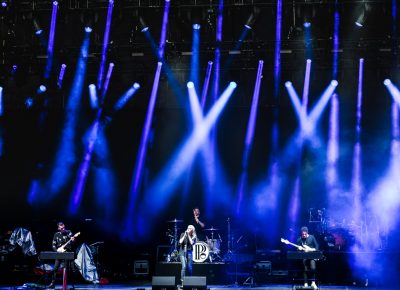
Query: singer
[(186, 242)]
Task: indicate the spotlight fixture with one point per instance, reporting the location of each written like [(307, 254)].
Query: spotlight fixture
[(14, 69), (93, 96), (41, 89), (362, 13), (306, 12), (29, 102), (196, 17), (89, 18), (387, 82), (36, 26), (360, 20), (252, 18), (143, 26)]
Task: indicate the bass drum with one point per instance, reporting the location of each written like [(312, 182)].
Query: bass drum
[(201, 251)]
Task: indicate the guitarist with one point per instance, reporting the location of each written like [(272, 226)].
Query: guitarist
[(308, 243), (62, 241)]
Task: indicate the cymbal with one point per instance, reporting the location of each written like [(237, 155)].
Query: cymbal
[(175, 221), (211, 229)]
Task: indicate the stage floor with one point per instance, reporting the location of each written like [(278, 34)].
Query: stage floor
[(126, 286)]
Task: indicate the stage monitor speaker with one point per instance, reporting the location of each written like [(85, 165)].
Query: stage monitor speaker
[(163, 283), (195, 283)]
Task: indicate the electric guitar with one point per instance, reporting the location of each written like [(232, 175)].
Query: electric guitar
[(62, 248), (302, 248)]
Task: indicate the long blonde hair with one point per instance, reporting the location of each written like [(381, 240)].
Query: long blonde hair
[(194, 236)]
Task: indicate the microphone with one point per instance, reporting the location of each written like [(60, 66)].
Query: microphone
[(220, 238)]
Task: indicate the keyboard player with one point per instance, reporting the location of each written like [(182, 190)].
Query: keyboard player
[(308, 243)]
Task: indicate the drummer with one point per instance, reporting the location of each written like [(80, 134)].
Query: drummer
[(198, 224), (186, 242)]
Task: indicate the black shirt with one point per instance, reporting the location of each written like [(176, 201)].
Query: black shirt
[(186, 243), (199, 230), (310, 241), (60, 238)]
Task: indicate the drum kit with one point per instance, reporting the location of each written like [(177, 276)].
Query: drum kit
[(214, 245), (341, 234), (203, 251), (173, 254)]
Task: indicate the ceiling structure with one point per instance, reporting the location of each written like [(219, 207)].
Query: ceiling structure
[(129, 49), (127, 43)]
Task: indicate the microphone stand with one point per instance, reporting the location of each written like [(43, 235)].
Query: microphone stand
[(185, 256), (175, 237), (229, 236), (229, 252), (230, 256)]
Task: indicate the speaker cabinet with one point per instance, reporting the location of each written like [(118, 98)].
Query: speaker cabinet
[(216, 273), (169, 269), (163, 283), (141, 267), (195, 283)]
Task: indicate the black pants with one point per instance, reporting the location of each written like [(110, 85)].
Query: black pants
[(57, 264), (310, 266)]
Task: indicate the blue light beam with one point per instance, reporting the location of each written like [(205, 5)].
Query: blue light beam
[(170, 176)]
